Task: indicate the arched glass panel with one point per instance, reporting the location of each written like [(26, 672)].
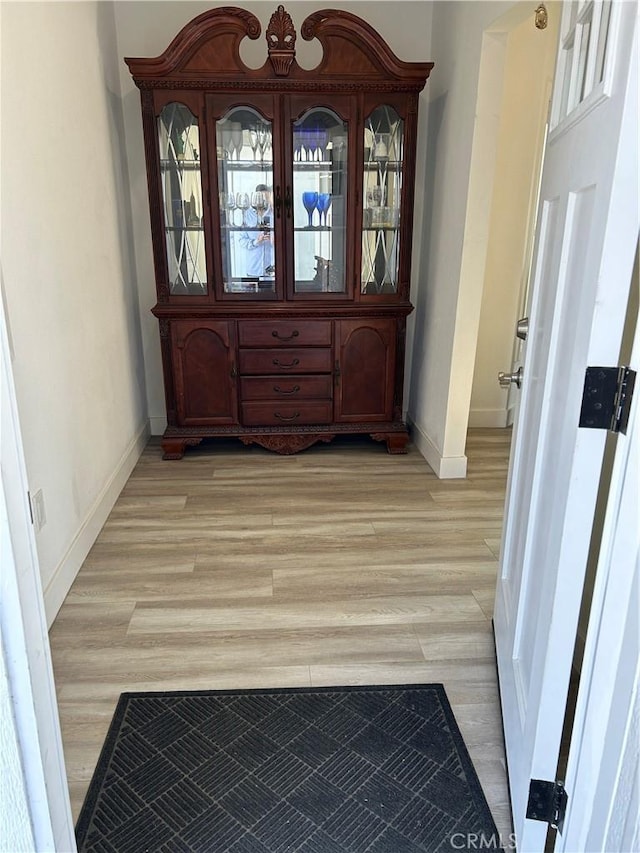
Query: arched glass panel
[(320, 140), (245, 181), (179, 143), (382, 194)]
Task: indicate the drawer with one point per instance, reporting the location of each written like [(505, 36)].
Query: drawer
[(274, 361), (287, 413), (286, 388), (269, 333)]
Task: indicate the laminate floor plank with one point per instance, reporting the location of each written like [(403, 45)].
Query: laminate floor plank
[(195, 615), (97, 693), (238, 568), (381, 580), (322, 555), (211, 651), (165, 587)]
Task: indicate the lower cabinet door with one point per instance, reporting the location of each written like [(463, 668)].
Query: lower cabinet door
[(365, 370), (205, 372)]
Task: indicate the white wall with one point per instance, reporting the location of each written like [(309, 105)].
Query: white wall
[(455, 233), (16, 835), (69, 283), (146, 28), (529, 66), (33, 743)]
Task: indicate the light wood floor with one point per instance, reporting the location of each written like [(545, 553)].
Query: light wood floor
[(239, 568)]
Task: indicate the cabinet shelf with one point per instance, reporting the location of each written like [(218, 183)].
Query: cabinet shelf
[(259, 166), (184, 165), (310, 229), (267, 165), (174, 228), (382, 165), (316, 166), (242, 228)]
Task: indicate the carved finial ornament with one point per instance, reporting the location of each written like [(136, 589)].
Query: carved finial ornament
[(281, 41)]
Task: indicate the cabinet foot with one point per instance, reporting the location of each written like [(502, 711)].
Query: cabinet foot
[(173, 448), (396, 441)]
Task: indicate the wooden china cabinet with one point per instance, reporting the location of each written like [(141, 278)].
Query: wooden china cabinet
[(281, 215)]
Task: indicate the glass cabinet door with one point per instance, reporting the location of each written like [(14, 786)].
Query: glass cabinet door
[(381, 204), (320, 142), (244, 141), (179, 146)]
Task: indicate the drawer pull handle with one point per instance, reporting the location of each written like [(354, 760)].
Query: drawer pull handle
[(287, 417), (294, 363), (280, 390), (290, 337)]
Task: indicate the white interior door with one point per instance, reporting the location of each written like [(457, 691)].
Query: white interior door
[(603, 772), (586, 236)]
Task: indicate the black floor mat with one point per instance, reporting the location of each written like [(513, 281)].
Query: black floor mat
[(317, 770)]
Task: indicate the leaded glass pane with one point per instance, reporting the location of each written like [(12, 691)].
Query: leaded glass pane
[(179, 144), (382, 196)]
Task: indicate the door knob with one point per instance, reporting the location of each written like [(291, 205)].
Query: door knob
[(522, 328), (507, 379)]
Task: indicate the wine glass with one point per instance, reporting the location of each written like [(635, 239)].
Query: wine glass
[(253, 141), (322, 137), (305, 150), (324, 203), (263, 139), (228, 143), (310, 200), (236, 137), (243, 203), (297, 145), (230, 204), (338, 150), (312, 144), (260, 204)]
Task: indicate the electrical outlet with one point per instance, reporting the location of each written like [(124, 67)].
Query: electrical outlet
[(37, 510)]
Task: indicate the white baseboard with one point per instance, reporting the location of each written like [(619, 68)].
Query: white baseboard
[(489, 418), (157, 425), (69, 566), (444, 467)]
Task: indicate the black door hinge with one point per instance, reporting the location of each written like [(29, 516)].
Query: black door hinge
[(606, 399), (547, 802)]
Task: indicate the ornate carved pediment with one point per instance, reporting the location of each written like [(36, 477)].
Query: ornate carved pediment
[(206, 52)]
